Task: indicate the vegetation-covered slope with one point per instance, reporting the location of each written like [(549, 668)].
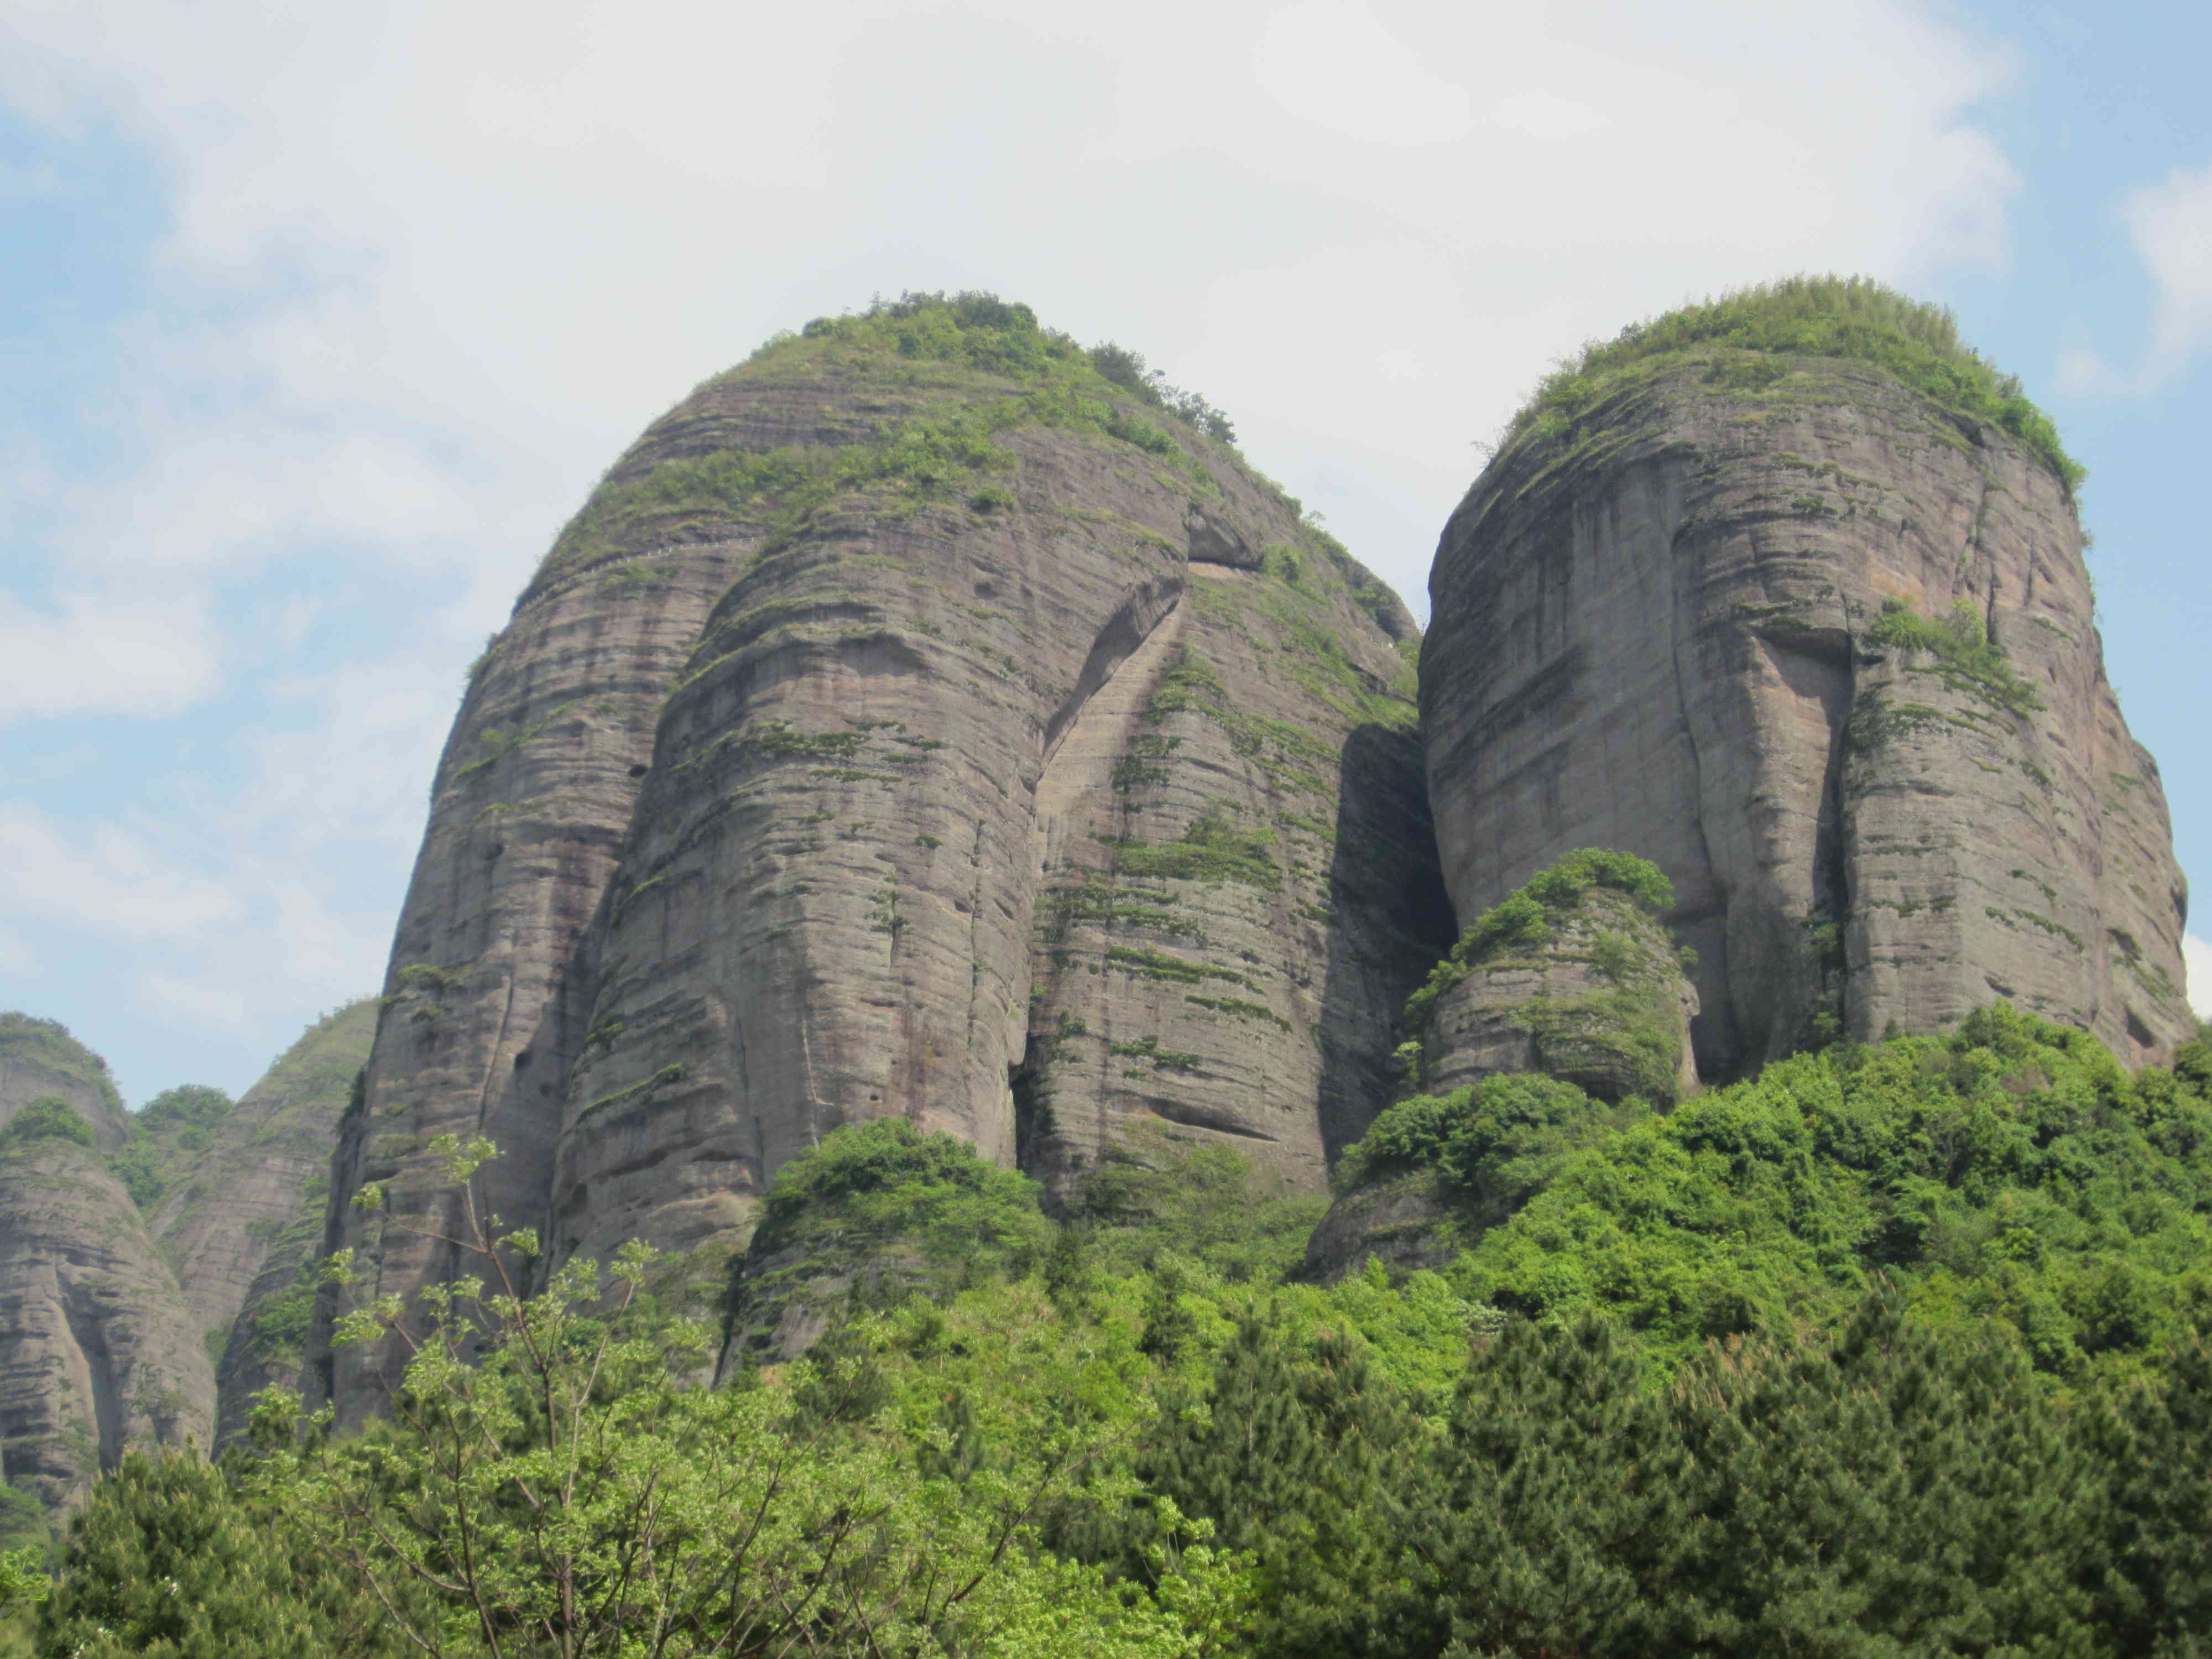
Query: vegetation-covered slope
[(1786, 1388)]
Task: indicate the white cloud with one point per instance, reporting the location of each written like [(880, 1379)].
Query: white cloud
[(105, 878), (2197, 961), (1331, 62), (1542, 115), (2170, 223), (425, 272), (104, 655)]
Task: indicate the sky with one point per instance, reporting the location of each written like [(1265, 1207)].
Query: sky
[(316, 322)]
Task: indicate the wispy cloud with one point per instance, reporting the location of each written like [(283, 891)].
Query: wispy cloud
[(2169, 225)]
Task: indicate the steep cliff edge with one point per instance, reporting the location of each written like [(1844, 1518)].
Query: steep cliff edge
[(920, 721), (1786, 594)]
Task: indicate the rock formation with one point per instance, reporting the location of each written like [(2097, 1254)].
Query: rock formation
[(244, 1223), (1572, 977), (915, 722), (40, 1059), (1786, 594), (97, 1351), (107, 1317)]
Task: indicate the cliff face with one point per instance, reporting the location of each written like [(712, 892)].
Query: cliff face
[(1821, 647), (242, 1223), (1597, 1001), (914, 723), (97, 1349), (108, 1317)]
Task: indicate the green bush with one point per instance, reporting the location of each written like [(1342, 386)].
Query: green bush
[(47, 1118), (1852, 318), (1967, 657)]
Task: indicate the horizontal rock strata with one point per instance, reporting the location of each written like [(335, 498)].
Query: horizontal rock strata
[(98, 1352), (1598, 1002), (914, 723)]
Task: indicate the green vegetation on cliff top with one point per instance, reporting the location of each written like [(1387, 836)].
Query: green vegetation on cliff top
[(1527, 919), (949, 375), (1851, 318), (46, 1043)]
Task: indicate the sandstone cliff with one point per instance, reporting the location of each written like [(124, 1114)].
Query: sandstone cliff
[(1572, 976), (108, 1317), (1786, 594), (1570, 994), (916, 722), (243, 1222), (97, 1349)]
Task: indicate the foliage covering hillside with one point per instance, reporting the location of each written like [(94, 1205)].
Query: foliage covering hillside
[(1893, 1349)]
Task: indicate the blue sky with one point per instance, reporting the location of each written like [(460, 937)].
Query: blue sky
[(316, 322)]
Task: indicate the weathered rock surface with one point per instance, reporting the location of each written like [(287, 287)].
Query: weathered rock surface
[(264, 1161), (1405, 1222), (1599, 1002), (1709, 619), (98, 1351), (39, 1059), (243, 1223), (913, 723)]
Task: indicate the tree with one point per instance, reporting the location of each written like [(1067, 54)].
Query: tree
[(570, 1493), (166, 1561)]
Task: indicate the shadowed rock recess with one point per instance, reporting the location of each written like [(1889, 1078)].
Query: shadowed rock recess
[(927, 718), (1786, 594)]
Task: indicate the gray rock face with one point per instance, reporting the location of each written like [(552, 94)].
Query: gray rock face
[(98, 1352), (913, 724), (264, 1161), (1716, 626), (1600, 1004)]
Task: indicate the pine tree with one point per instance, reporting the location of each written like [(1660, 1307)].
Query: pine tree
[(166, 1562)]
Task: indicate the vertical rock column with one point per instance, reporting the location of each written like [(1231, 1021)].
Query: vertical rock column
[(1822, 650)]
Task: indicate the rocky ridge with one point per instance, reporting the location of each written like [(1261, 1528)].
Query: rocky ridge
[(97, 1352), (917, 722)]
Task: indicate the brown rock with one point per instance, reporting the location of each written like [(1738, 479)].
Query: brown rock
[(1675, 624), (244, 1219), (912, 719), (1403, 1222)]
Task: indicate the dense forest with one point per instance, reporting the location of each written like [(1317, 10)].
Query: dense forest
[(1892, 1349)]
